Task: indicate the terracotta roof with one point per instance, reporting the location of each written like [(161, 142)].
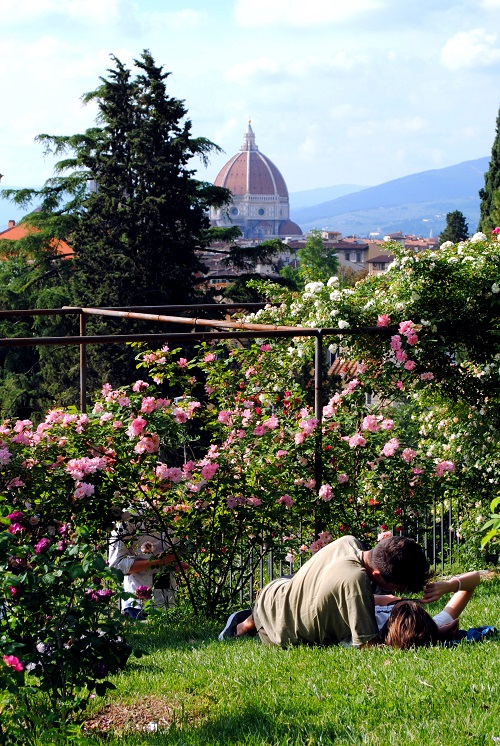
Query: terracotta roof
[(15, 232), (289, 228), (381, 258), (342, 368)]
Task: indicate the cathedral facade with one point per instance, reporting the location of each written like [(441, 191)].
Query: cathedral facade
[(260, 205)]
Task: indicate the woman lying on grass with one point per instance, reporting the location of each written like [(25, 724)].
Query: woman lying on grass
[(405, 624)]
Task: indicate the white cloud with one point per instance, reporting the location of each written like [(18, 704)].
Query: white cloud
[(490, 4), (471, 49), (266, 69), (245, 72), (381, 127), (181, 19), (99, 12), (299, 13)]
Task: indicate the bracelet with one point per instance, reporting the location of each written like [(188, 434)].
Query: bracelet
[(459, 584)]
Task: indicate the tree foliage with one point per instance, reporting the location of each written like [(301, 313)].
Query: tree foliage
[(125, 196), (317, 262), (491, 186), (456, 228)]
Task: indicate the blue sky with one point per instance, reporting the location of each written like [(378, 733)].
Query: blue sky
[(338, 91)]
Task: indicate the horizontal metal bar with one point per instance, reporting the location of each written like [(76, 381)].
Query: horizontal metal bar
[(68, 310), (183, 320)]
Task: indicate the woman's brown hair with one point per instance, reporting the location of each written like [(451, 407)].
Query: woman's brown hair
[(409, 626)]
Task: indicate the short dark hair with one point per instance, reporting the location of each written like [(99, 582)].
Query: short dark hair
[(409, 626), (401, 561)]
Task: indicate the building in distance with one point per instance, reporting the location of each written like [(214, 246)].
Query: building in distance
[(260, 205)]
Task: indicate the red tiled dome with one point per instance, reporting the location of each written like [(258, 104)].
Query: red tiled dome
[(251, 172), (289, 228)]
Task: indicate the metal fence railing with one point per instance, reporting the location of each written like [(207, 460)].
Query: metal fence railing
[(434, 529)]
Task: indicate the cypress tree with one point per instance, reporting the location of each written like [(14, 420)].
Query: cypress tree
[(456, 228), (491, 185)]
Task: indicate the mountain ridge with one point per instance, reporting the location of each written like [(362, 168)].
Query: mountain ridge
[(416, 203)]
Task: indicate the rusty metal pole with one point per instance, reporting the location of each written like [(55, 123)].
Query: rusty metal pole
[(318, 413), (83, 364)]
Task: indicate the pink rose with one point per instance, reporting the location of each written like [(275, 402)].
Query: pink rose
[(325, 492), (357, 440), (443, 467), (390, 447), (371, 423), (13, 662), (408, 455), (383, 320)]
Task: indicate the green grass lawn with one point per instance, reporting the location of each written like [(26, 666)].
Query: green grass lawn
[(196, 690)]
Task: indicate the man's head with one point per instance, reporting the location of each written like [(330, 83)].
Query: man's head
[(399, 563)]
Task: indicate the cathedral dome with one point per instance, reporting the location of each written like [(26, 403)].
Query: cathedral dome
[(260, 204), (251, 172)]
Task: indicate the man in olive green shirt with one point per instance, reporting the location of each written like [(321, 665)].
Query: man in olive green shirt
[(329, 601)]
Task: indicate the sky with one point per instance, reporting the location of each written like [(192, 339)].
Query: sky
[(338, 91)]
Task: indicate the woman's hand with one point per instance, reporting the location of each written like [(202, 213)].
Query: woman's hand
[(434, 591)]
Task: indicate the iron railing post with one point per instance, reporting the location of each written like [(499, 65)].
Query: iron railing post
[(318, 413), (83, 364)]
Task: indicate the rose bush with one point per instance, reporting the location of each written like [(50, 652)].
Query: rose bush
[(219, 447)]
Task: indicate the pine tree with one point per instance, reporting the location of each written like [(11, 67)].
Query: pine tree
[(491, 185), (456, 228), (126, 199)]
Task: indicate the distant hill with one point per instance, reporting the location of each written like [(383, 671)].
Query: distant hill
[(311, 197), (417, 203)]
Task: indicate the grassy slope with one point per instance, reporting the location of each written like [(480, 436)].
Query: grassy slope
[(204, 692)]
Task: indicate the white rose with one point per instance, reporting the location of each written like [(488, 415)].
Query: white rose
[(446, 245), (477, 237), (342, 324)]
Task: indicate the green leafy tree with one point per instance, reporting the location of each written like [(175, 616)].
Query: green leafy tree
[(456, 228), (491, 185), (317, 262), (125, 196)]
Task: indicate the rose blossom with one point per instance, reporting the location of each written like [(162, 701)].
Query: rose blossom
[(42, 546), (357, 440), (408, 455), (143, 592), (342, 478), (285, 500), (370, 423), (383, 320), (443, 467), (326, 492), (390, 447), (13, 662)]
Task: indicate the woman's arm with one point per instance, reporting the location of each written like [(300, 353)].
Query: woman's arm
[(467, 582)]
